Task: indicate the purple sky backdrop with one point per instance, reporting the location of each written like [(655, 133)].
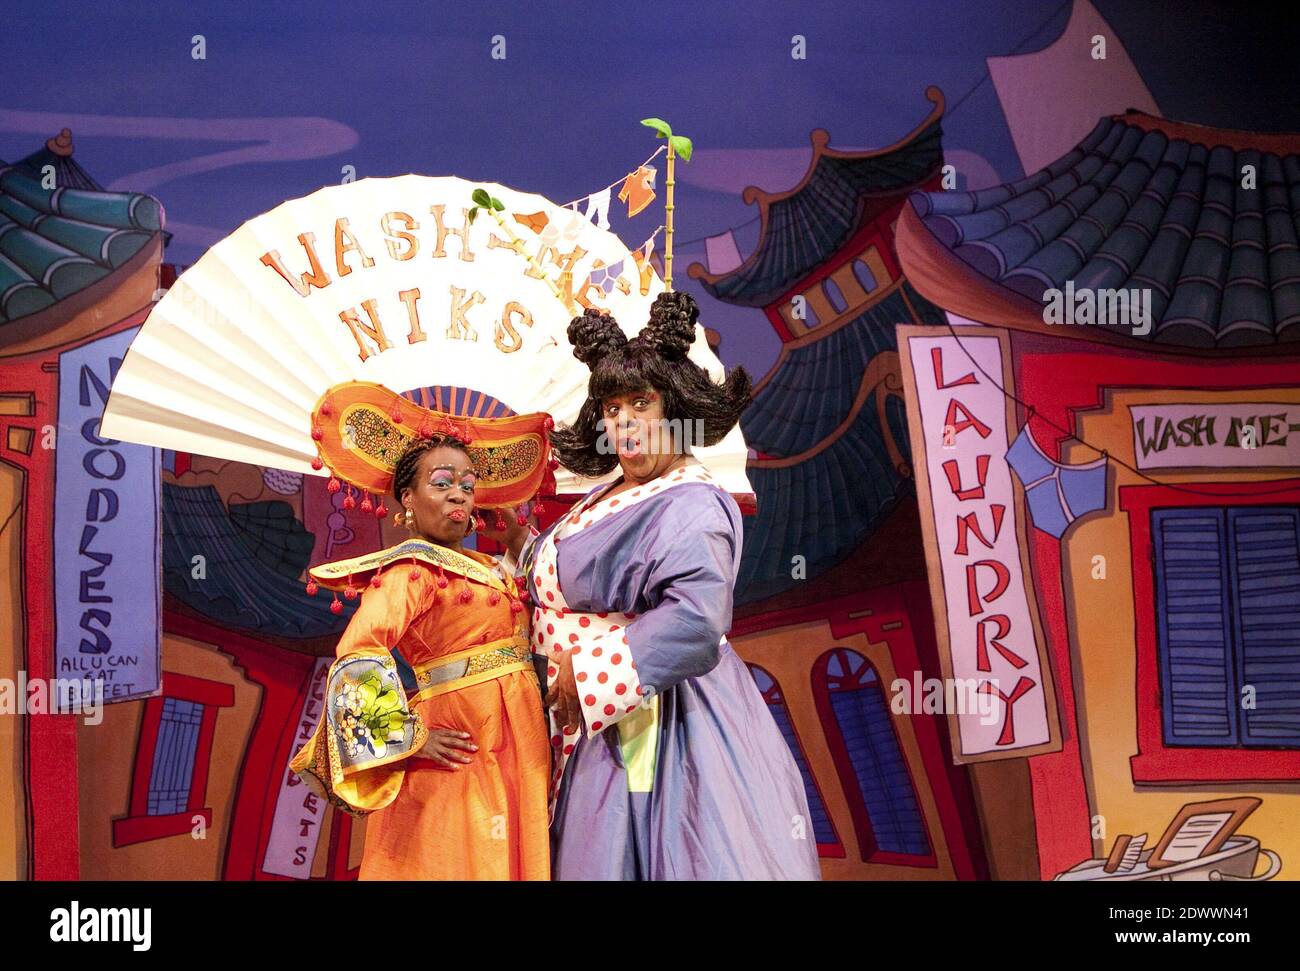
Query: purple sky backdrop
[(291, 92)]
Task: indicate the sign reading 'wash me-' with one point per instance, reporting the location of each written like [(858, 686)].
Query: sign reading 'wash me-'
[(1216, 436)]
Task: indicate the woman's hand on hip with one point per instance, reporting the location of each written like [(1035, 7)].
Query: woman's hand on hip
[(563, 696), (447, 747)]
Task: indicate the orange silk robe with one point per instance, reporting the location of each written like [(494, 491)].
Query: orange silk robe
[(483, 821)]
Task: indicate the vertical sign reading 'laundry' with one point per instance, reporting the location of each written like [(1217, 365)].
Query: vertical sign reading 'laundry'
[(107, 538), (973, 517)]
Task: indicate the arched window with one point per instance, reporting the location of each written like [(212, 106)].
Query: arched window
[(855, 716), (863, 272), (828, 840), (834, 295), (799, 313)]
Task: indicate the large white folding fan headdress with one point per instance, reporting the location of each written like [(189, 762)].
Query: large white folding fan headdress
[(386, 282)]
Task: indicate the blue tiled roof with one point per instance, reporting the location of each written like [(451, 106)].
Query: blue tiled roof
[(247, 585), (68, 172), (1134, 206), (55, 242), (804, 228), (273, 533)]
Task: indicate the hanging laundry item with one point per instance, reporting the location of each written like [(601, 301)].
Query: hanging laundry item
[(641, 257), (554, 235), (608, 277), (598, 202), (721, 254), (1057, 494), (536, 221), (638, 189)]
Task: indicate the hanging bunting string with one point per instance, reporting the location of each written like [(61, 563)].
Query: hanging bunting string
[(1068, 435), (622, 178)]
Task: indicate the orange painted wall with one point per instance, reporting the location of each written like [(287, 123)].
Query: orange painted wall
[(1102, 618), (106, 757)]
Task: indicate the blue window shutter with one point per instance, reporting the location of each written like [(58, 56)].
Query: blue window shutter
[(1198, 695), (1265, 576), (173, 757)]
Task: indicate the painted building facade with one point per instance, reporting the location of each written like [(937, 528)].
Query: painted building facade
[(1156, 455), (830, 606)]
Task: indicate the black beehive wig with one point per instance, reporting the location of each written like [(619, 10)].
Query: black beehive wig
[(655, 359)]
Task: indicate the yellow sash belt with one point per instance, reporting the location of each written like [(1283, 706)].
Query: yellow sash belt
[(477, 664)]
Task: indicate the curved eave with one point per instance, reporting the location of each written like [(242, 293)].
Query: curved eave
[(822, 505), (822, 380), (717, 282), (1276, 143), (127, 289), (244, 594), (946, 280)]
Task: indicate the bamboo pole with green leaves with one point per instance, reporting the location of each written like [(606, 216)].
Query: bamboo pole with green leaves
[(677, 145), (491, 204)]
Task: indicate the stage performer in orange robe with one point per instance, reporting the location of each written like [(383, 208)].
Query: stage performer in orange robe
[(434, 725)]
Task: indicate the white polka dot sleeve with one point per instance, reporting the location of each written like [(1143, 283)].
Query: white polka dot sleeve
[(609, 687)]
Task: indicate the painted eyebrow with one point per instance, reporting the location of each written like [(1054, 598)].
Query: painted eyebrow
[(452, 469), (648, 395)]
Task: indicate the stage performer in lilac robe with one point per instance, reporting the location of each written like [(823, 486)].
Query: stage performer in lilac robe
[(668, 765)]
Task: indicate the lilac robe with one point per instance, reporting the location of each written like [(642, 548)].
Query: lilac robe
[(727, 801)]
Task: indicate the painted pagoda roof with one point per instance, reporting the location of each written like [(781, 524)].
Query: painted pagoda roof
[(822, 508), (55, 242), (805, 226), (827, 476), (253, 561), (1140, 203), (811, 390), (828, 422)]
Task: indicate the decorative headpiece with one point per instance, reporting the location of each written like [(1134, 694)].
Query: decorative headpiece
[(361, 430)]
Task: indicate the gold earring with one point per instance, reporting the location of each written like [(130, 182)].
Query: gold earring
[(410, 517)]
